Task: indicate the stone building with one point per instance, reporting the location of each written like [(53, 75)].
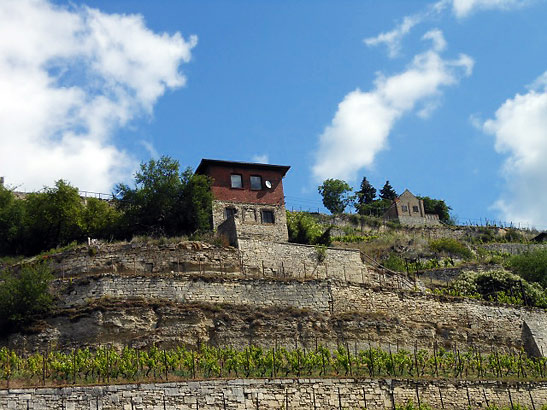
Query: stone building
[(248, 199), (409, 210)]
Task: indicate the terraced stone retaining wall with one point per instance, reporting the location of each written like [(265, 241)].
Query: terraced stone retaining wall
[(279, 394), (363, 314), (254, 259)]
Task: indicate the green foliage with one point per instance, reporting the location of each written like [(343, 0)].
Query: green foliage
[(100, 219), (438, 207), (321, 252), (24, 294), (335, 193), (375, 208), (486, 234), (165, 201), (197, 202), (107, 365), (452, 247), (531, 266), (304, 229), (358, 219), (12, 214), (387, 192), (394, 263), (514, 235), (366, 193), (411, 406), (498, 286), (53, 218), (352, 238)]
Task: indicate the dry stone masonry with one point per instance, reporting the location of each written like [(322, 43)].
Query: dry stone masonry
[(174, 293), (254, 259), (276, 394)]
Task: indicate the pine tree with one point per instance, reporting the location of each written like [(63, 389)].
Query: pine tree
[(367, 193), (387, 192)]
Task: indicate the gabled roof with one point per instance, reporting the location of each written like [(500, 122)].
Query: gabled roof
[(405, 191), (205, 163)]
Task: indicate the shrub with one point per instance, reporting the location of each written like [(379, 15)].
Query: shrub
[(411, 406), (451, 247), (304, 229), (498, 286), (531, 266), (321, 253), (395, 263), (513, 235), (25, 294)]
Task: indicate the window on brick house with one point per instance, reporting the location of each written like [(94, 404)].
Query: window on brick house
[(267, 217), (236, 181), (230, 212), (415, 209), (256, 182), (404, 208)]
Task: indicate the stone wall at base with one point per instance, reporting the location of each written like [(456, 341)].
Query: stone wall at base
[(303, 393)]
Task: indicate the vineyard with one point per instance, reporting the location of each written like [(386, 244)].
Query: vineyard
[(108, 365)]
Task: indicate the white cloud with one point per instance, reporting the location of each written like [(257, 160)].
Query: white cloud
[(436, 36), (462, 8), (392, 39), (69, 79), (261, 159), (520, 128), (363, 121)]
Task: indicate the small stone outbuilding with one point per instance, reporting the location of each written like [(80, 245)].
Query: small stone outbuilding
[(409, 210)]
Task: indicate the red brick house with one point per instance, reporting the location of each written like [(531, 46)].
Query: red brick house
[(248, 199)]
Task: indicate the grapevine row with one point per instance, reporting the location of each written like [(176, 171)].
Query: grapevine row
[(106, 364)]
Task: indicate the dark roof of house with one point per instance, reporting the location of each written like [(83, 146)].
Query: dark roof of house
[(542, 237), (205, 163)]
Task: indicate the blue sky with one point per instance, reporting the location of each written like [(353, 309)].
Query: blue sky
[(446, 98)]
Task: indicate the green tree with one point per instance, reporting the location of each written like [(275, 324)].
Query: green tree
[(438, 207), (12, 214), (336, 195), (100, 219), (53, 218), (197, 202), (387, 192), (24, 294), (366, 194), (150, 207), (165, 201)]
